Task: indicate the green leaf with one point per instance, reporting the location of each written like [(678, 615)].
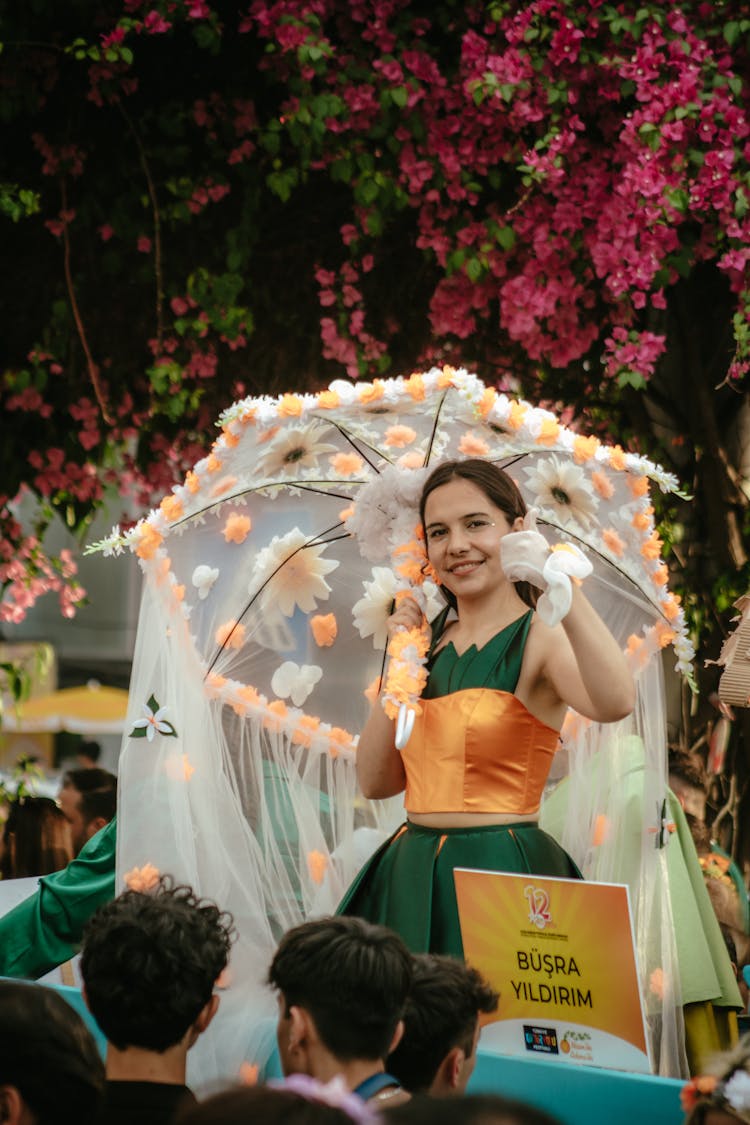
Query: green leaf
[(631, 379), (474, 269), (679, 199), (506, 236), (366, 191), (732, 32), (400, 96)]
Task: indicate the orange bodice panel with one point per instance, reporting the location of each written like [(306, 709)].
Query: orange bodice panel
[(477, 750)]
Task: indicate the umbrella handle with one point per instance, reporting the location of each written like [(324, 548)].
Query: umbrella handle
[(404, 725)]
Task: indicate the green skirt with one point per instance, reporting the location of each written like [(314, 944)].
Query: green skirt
[(408, 883)]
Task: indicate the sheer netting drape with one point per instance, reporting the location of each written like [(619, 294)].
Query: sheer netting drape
[(270, 829), (609, 812)]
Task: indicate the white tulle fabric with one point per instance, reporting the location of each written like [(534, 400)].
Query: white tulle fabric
[(607, 810), (262, 624)]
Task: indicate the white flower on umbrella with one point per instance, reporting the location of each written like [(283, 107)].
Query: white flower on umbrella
[(295, 448), (372, 611), (387, 511), (293, 573), (563, 489), (203, 579), (290, 681), (154, 722)]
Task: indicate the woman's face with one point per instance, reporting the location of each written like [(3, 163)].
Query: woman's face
[(463, 529)]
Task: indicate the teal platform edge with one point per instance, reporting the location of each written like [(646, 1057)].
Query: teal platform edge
[(579, 1095)]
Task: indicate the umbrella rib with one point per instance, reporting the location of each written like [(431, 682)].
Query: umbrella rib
[(310, 543), (434, 428), (267, 484), (357, 445)]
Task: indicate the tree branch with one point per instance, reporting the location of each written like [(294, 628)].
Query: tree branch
[(92, 367), (158, 269)]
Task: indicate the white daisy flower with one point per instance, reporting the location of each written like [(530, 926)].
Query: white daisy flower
[(347, 392), (295, 448), (295, 682), (203, 579), (372, 611), (563, 489), (295, 573)]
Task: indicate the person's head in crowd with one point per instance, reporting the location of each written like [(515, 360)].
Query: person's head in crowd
[(50, 1069), (472, 1109), (300, 1100), (687, 780), (342, 987), (437, 1052), (36, 839), (149, 964), (88, 754), (722, 1097), (88, 798)]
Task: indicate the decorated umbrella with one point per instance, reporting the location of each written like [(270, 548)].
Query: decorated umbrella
[(269, 576)]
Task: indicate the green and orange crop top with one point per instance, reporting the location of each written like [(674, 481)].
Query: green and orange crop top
[(475, 747)]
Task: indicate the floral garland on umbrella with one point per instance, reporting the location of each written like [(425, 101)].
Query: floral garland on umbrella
[(529, 427)]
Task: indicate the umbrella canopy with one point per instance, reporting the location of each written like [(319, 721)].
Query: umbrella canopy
[(270, 574), (87, 709)]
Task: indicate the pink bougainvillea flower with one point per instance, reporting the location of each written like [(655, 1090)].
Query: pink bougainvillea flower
[(144, 244)]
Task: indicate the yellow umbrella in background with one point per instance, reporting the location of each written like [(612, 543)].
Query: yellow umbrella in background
[(88, 709)]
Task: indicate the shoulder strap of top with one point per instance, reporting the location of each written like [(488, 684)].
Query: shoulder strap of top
[(437, 625)]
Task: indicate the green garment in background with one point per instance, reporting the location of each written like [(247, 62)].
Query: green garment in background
[(45, 929)]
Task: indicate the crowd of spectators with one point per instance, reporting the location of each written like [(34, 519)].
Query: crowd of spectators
[(351, 1025), (366, 1031)]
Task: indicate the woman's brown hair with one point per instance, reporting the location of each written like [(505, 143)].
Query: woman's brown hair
[(36, 838), (498, 487)]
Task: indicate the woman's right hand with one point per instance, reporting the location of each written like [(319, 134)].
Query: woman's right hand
[(406, 615)]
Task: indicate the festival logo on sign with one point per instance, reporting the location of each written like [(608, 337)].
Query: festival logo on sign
[(539, 914)]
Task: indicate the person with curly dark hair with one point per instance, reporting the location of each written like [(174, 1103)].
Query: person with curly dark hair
[(342, 985), (149, 964), (438, 1049)]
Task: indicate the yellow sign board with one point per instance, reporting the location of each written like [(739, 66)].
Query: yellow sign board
[(560, 952)]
